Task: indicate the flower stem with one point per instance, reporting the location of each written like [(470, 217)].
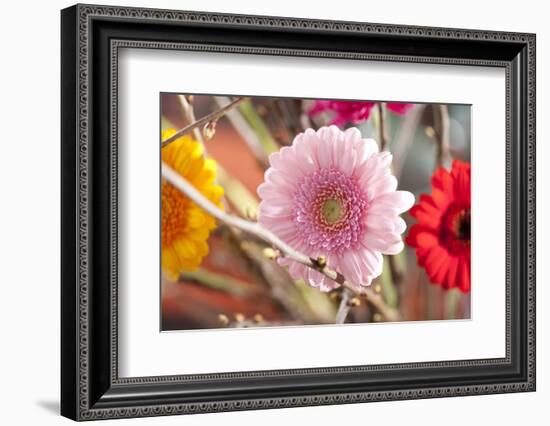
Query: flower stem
[(442, 131), (344, 308), (403, 141), (246, 131), (396, 273), (189, 115), (257, 123), (256, 229), (217, 282), (202, 121), (382, 127)]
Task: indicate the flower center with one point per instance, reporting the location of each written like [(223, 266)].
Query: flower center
[(329, 210), (332, 210), (463, 229), (455, 229), (174, 209)]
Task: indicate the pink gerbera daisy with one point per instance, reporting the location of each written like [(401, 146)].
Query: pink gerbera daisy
[(352, 111), (332, 193)]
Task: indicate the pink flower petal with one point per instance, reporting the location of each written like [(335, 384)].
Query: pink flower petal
[(386, 183), (400, 201), (373, 261), (332, 193), (378, 222), (399, 225)]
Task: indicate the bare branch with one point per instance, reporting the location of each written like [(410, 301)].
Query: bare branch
[(442, 134), (396, 273), (344, 308), (285, 250), (403, 141), (247, 133), (377, 302), (189, 115), (382, 127), (202, 121)]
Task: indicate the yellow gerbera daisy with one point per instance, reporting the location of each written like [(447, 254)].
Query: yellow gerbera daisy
[(185, 226)]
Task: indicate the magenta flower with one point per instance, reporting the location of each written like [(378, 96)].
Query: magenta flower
[(344, 111), (353, 112), (332, 193), (399, 108)]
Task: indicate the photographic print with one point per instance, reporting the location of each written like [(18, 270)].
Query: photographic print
[(202, 208), (291, 212)]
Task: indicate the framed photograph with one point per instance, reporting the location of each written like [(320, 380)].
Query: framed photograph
[(263, 212)]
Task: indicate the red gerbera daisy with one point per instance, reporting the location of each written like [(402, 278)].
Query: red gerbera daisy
[(442, 235)]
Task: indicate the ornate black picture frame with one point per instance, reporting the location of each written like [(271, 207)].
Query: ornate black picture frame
[(91, 36)]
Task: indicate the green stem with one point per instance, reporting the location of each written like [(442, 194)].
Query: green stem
[(453, 298), (237, 194), (256, 122), (216, 281)]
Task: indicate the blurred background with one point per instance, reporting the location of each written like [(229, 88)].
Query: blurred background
[(236, 285)]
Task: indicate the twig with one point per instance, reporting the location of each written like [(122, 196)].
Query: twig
[(344, 308), (202, 121), (382, 127), (403, 140), (251, 227), (396, 274), (189, 116), (277, 279), (377, 302), (442, 130), (290, 113), (256, 229), (247, 133)]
